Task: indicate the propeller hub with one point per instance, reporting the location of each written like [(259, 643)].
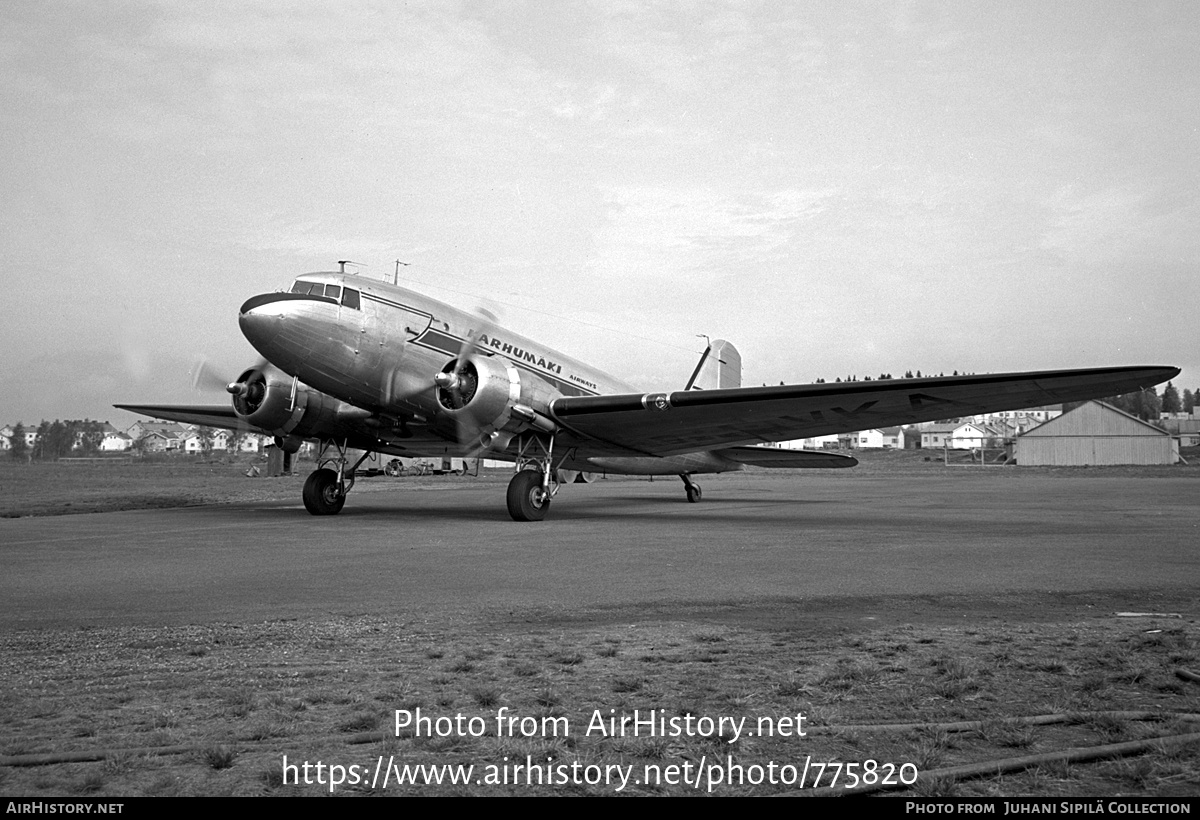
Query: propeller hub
[(457, 383)]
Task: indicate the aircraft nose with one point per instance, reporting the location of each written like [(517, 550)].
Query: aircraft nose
[(287, 328), (260, 318)]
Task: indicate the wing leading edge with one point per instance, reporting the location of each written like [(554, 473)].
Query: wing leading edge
[(663, 424), (211, 415)]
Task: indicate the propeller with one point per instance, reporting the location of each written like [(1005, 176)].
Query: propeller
[(458, 382), (206, 378), (247, 392), (460, 379)]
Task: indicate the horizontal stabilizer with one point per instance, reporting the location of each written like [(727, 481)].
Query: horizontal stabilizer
[(781, 458)]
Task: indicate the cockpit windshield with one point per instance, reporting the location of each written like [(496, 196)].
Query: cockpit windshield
[(348, 297)]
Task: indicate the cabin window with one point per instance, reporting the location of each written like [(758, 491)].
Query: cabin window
[(350, 298)]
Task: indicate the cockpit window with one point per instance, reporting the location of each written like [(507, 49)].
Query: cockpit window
[(310, 288), (348, 296)]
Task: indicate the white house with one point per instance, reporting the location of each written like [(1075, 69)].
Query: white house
[(113, 440), (960, 435), (876, 438)]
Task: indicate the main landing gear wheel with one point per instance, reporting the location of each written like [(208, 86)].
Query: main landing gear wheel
[(321, 493), (694, 492), (527, 501)]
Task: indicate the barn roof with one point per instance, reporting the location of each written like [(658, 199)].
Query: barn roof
[(1095, 418)]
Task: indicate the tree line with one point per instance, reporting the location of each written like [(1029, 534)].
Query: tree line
[(56, 439), (1148, 405)]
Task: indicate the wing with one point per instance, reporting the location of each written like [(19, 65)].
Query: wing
[(212, 415), (419, 442), (663, 424)]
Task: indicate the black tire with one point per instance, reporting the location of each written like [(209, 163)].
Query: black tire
[(694, 493), (526, 501), (321, 496)]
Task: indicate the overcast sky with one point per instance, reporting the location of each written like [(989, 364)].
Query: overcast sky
[(837, 188)]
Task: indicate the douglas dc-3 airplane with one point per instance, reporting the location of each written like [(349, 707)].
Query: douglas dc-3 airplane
[(362, 364)]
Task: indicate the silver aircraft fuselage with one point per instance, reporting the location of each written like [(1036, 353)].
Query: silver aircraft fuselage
[(376, 346), (391, 344)]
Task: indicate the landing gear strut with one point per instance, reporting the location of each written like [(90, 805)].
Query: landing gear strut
[(534, 485), (325, 490), (693, 489)]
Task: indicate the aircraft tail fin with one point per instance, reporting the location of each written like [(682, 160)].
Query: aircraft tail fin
[(720, 366)]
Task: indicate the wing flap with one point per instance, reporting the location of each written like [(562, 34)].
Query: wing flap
[(664, 424)]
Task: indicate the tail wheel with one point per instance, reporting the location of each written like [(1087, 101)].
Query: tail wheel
[(694, 493), (527, 501), (322, 496)]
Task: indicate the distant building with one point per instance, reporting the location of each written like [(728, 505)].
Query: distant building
[(1095, 434), (1185, 428), (113, 440), (829, 442), (865, 440), (192, 442), (140, 429), (157, 441), (960, 435), (1023, 419)]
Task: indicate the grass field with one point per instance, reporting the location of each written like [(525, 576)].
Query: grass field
[(212, 709)]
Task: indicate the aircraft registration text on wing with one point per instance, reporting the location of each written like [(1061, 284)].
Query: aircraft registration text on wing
[(354, 363)]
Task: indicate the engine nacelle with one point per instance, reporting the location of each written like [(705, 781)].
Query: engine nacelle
[(270, 400), (479, 395)]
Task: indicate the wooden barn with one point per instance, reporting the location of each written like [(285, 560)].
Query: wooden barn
[(1095, 434)]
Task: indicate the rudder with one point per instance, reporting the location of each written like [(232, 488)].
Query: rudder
[(720, 368)]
